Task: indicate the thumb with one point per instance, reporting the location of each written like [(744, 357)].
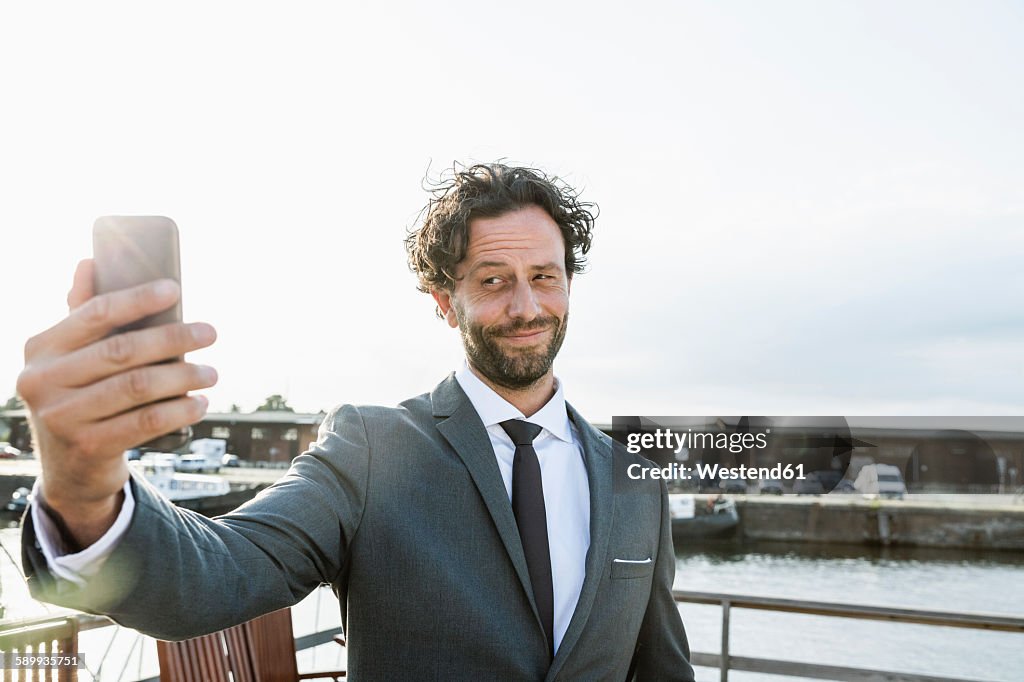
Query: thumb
[(82, 286)]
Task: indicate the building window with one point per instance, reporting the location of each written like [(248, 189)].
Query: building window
[(291, 434), (220, 432), (257, 434)]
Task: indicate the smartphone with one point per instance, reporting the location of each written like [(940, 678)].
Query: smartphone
[(133, 250)]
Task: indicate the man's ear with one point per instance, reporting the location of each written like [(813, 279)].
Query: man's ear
[(444, 304)]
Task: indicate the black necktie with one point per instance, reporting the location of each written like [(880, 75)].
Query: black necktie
[(528, 507)]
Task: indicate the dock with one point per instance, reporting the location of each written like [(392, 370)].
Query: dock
[(983, 522)]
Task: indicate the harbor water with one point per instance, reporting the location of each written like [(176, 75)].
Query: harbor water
[(938, 580)]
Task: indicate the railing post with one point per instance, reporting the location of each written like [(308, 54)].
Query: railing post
[(724, 675)]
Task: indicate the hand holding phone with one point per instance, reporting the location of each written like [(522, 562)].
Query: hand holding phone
[(101, 381), (132, 250)]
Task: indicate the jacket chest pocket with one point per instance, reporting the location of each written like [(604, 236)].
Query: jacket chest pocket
[(631, 568)]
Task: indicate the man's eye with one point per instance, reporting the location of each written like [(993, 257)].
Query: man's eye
[(491, 280)]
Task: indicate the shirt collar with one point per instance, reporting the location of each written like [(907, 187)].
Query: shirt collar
[(493, 409)]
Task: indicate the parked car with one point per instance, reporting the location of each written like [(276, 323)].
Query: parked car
[(771, 486), (733, 486), (8, 451), (19, 500), (845, 486), (829, 478), (883, 480), (229, 460), (809, 485)]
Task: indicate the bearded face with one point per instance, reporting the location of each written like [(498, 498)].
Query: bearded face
[(515, 354), (510, 299)]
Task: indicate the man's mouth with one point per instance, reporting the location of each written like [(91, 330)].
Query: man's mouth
[(525, 336)]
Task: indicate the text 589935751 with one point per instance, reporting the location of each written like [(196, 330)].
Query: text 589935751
[(26, 661)]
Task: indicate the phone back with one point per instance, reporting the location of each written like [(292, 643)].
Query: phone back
[(133, 250)]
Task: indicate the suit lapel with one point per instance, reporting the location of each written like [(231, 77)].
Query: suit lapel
[(466, 434), (598, 460)]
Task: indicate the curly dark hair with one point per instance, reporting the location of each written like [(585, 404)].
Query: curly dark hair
[(487, 191)]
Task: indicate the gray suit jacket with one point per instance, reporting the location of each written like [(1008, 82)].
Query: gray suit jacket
[(403, 511)]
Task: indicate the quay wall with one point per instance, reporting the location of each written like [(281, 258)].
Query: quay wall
[(881, 522)]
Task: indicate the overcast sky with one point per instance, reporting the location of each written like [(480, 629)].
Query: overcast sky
[(805, 207)]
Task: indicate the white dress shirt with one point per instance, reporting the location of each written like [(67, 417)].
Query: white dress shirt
[(566, 498), (563, 475), (79, 567)]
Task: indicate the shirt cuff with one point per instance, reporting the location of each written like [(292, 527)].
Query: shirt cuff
[(78, 567)]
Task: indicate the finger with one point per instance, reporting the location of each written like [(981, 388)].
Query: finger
[(82, 286), (135, 388), (143, 424), (117, 353), (101, 314)]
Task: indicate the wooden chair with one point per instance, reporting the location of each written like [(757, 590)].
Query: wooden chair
[(261, 650)]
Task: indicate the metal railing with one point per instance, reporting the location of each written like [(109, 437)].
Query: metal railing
[(725, 661)]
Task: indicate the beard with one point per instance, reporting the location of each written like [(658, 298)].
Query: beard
[(515, 368)]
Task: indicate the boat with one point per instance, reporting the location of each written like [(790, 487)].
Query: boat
[(159, 471), (207, 494), (718, 521)]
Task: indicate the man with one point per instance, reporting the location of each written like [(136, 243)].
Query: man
[(480, 531)]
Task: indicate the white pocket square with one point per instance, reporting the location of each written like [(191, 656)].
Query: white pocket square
[(632, 561)]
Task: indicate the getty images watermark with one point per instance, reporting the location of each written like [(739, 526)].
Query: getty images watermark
[(679, 442), (814, 455)]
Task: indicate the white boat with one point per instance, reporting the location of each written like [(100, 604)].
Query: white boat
[(158, 469), (719, 520), (681, 506)]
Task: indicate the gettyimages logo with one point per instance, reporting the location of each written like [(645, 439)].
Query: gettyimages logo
[(884, 456)]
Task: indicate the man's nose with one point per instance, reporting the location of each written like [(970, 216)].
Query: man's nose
[(524, 303)]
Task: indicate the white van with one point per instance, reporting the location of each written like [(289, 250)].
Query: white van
[(207, 455), (883, 480)]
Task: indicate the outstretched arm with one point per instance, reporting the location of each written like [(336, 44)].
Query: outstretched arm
[(176, 574)]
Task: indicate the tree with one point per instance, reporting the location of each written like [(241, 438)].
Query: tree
[(13, 403), (275, 403)]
